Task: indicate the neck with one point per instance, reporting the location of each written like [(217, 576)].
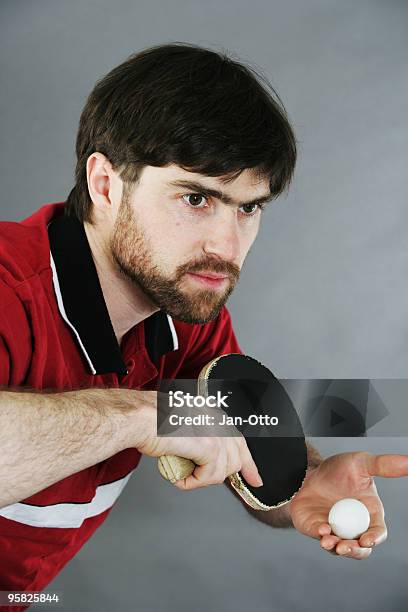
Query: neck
[(126, 303)]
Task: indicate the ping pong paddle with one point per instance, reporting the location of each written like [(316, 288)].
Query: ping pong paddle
[(279, 451)]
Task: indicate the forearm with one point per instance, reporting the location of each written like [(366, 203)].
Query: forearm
[(281, 517), (45, 437)]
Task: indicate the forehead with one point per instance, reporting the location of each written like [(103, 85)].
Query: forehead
[(247, 185)]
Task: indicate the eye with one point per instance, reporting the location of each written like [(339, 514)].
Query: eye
[(193, 199), (253, 208)]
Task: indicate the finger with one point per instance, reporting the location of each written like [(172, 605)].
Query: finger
[(387, 466), (201, 477), (328, 542), (194, 481), (187, 484), (212, 472), (373, 536), (324, 529), (248, 468), (351, 548), (318, 527), (234, 460)]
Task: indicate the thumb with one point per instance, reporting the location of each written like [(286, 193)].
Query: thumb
[(387, 466)]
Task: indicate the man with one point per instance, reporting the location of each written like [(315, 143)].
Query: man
[(125, 283)]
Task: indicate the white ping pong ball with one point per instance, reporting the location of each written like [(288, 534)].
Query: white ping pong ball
[(349, 518)]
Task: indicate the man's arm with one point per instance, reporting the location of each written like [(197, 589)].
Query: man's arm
[(281, 517), (45, 437)]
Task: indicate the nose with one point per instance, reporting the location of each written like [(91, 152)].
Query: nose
[(223, 238)]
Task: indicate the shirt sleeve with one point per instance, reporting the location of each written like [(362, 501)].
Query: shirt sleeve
[(14, 338), (4, 364), (215, 339)]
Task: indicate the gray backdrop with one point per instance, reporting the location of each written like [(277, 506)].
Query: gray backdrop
[(323, 292)]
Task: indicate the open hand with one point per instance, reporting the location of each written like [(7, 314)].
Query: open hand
[(345, 475)]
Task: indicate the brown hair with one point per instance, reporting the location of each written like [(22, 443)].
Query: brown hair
[(183, 104)]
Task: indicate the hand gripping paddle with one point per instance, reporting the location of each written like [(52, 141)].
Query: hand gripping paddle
[(279, 451)]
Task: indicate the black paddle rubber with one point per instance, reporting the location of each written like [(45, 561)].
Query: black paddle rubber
[(279, 450)]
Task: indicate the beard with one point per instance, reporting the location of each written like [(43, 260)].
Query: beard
[(133, 254)]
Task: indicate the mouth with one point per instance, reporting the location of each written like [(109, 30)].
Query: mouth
[(208, 279)]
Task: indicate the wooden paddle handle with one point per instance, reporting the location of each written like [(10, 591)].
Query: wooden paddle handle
[(175, 468)]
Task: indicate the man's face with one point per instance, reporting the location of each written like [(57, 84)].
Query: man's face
[(167, 237)]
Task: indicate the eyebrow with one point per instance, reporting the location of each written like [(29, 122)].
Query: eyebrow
[(215, 193)]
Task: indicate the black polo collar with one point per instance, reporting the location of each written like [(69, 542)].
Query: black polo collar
[(82, 305)]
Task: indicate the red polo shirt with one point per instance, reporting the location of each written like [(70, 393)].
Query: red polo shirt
[(55, 333)]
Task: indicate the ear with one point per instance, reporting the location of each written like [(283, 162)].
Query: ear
[(102, 184)]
